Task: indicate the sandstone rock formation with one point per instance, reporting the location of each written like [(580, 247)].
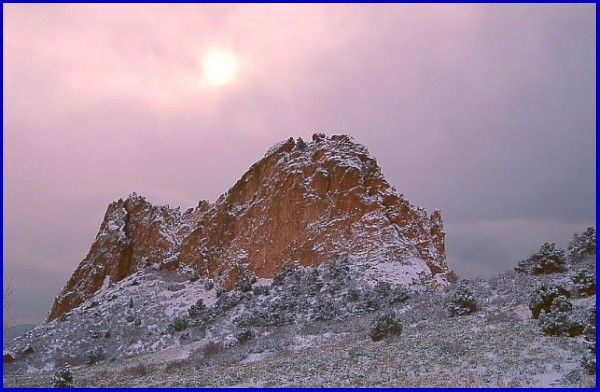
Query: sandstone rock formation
[(302, 202)]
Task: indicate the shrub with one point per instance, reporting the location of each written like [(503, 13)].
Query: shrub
[(588, 362), (382, 289), (590, 324), (453, 277), (196, 309), (94, 355), (243, 335), (286, 273), (212, 348), (547, 260), (178, 325), (177, 364), (318, 136), (129, 318), (137, 322), (543, 297), (8, 356), (140, 370), (229, 300), (261, 290), (324, 310), (301, 144), (585, 283), (63, 378), (281, 311), (244, 283), (338, 270), (398, 295), (462, 302), (312, 282), (558, 320), (559, 324), (582, 245), (209, 285), (384, 325)]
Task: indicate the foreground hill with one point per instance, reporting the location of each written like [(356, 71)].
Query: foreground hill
[(498, 345)]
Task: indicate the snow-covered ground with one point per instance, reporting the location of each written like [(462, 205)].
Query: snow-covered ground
[(500, 345)]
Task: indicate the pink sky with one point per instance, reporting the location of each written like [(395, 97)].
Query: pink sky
[(484, 111)]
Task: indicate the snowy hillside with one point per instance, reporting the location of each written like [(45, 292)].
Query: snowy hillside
[(311, 326)]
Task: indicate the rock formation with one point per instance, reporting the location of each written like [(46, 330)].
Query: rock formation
[(302, 202)]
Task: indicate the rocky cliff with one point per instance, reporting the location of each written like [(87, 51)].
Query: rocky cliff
[(305, 202)]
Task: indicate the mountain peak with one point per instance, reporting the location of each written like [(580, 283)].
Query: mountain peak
[(305, 202)]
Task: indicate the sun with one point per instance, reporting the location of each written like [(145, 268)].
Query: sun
[(219, 66)]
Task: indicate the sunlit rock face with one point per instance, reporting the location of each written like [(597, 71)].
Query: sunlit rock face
[(305, 202)]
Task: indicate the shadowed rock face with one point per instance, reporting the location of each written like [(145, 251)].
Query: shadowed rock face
[(303, 202)]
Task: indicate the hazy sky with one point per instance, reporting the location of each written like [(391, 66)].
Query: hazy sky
[(484, 111)]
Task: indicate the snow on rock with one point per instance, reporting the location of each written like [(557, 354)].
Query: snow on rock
[(126, 319), (307, 202)]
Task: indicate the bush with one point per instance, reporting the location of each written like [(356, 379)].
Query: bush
[(244, 283), (8, 356), (212, 348), (63, 378), (462, 302), (338, 270), (547, 260), (582, 245), (398, 295), (543, 298), (209, 285), (324, 310), (281, 311), (590, 325), (176, 365), (94, 355), (301, 144), (385, 325), (243, 335), (196, 309), (286, 273), (585, 283), (558, 320), (219, 291), (588, 362), (194, 277), (178, 325), (230, 300), (382, 289), (261, 290), (140, 370), (559, 324)]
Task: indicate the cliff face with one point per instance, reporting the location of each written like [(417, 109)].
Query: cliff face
[(303, 202)]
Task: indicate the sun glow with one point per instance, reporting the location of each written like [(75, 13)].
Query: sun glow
[(219, 67)]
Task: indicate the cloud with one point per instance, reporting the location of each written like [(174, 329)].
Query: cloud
[(494, 246)]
